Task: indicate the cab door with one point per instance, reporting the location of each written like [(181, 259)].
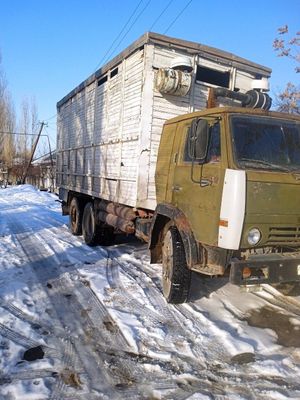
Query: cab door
[(197, 188)]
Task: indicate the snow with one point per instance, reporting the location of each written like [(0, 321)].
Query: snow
[(108, 333)]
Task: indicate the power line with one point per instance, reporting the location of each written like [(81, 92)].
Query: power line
[(120, 33), (160, 15), (20, 133), (53, 116), (178, 15), (129, 29), (49, 136), (107, 52)]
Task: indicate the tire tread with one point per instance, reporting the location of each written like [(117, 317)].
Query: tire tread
[(181, 277)]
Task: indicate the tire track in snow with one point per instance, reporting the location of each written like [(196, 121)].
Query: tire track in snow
[(41, 326), (130, 302), (178, 319), (39, 256), (17, 337), (120, 359), (230, 380), (87, 306), (42, 277), (27, 375), (82, 336), (277, 299)]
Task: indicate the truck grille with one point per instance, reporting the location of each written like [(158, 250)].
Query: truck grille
[(284, 235)]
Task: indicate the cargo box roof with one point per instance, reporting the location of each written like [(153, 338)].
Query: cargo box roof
[(191, 48)]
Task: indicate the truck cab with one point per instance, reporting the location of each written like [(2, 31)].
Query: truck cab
[(228, 189)]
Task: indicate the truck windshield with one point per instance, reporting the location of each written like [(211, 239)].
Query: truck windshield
[(266, 143)]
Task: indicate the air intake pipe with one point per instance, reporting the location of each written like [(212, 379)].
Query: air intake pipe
[(250, 99)]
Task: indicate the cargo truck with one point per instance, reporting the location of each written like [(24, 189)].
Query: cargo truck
[(173, 141)]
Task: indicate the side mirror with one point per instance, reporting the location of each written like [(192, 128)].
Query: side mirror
[(199, 140)]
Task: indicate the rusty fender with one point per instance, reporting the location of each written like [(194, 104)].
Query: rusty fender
[(167, 215)]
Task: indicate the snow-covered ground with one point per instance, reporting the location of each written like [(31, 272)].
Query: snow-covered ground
[(91, 323)]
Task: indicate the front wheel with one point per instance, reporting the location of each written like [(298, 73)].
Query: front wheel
[(176, 277)]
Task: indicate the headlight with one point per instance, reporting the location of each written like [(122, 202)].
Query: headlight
[(254, 236)]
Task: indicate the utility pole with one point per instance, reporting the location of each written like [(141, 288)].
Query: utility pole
[(52, 164), (32, 152)]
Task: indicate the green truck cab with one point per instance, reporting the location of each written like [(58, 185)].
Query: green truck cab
[(228, 198)]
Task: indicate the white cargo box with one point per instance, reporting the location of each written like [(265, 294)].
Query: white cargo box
[(109, 127)]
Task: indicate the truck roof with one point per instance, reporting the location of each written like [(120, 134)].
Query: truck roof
[(233, 110), (163, 40)]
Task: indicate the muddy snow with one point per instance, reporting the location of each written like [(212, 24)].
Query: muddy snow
[(91, 323)]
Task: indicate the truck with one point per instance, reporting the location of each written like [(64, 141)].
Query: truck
[(174, 142)]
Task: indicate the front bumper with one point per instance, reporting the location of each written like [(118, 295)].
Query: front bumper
[(268, 268)]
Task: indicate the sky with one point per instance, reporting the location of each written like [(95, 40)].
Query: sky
[(49, 47)]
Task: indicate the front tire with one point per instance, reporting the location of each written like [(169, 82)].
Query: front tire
[(176, 277)]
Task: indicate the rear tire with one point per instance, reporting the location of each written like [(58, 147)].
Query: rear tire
[(176, 277), (93, 233), (75, 217), (89, 227)]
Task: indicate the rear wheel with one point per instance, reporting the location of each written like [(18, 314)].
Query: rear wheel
[(75, 217), (89, 227), (95, 233), (176, 276)]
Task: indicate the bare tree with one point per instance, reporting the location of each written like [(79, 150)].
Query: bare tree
[(289, 46), (28, 125), (7, 124)]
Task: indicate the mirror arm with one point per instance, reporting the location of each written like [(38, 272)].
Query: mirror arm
[(192, 172), (202, 181)]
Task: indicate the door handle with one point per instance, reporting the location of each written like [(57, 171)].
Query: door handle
[(209, 180), (176, 188)]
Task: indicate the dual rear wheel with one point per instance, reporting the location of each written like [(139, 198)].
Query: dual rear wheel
[(176, 276), (83, 221)]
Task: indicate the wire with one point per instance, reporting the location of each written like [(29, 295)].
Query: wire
[(108, 53), (129, 29), (51, 139), (160, 15), (53, 116), (120, 33), (178, 15), (20, 133)]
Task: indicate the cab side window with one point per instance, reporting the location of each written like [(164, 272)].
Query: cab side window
[(187, 156), (214, 146)]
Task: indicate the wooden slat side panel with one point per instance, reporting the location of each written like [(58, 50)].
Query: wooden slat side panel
[(101, 124), (129, 160), (132, 93)]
